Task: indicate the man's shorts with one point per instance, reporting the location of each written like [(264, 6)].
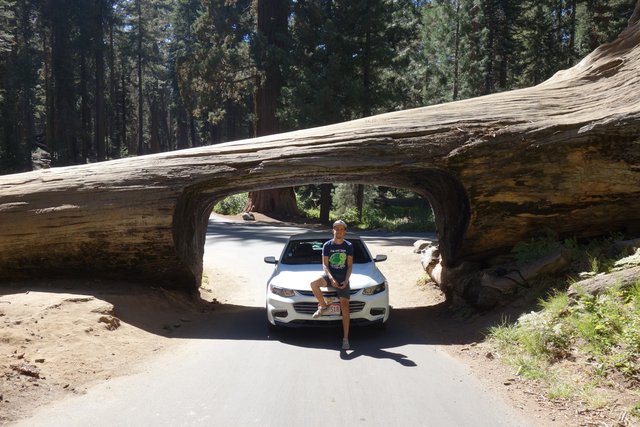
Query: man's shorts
[(342, 293)]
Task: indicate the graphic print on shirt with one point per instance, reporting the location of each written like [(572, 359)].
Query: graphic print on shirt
[(338, 260)]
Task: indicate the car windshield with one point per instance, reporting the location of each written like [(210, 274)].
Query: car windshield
[(310, 252)]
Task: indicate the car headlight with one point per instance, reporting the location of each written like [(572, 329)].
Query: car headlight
[(283, 292), (372, 290)]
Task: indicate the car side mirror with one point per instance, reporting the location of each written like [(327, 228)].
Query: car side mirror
[(380, 258), (270, 260)]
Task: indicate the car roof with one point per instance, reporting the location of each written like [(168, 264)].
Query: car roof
[(326, 235)]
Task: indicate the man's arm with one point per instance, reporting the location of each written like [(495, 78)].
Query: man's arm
[(349, 268), (325, 267)]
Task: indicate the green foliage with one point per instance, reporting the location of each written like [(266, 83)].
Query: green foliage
[(414, 214), (599, 21), (344, 198), (214, 70), (608, 325), (232, 205), (393, 218), (441, 51), (348, 60), (604, 328), (540, 36)]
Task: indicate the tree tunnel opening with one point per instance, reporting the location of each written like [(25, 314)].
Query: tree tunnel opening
[(229, 237), (443, 196)]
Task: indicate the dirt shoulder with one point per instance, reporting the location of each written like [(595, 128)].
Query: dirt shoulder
[(59, 338)]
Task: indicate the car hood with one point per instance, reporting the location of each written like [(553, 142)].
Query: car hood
[(299, 277)]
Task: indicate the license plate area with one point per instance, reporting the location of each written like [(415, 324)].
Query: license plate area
[(333, 306), (333, 310)]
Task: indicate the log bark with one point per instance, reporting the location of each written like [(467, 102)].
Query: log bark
[(561, 156), (596, 285), (521, 275)]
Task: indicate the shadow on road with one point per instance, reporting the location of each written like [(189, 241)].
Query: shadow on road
[(426, 326), (177, 315), (432, 325)]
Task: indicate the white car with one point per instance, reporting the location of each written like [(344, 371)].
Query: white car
[(290, 301)]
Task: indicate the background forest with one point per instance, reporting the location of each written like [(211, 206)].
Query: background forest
[(91, 80)]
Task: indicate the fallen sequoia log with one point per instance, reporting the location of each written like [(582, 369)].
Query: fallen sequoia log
[(561, 156)]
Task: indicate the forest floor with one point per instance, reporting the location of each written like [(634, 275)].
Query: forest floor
[(59, 338)]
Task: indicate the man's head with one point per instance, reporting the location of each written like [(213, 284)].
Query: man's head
[(340, 224), (339, 230)]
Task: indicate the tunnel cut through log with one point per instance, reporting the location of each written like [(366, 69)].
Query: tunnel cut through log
[(441, 190)]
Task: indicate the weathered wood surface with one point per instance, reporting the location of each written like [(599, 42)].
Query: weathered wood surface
[(508, 280), (601, 283), (562, 156)]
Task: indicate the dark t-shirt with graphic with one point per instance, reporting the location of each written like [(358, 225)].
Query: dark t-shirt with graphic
[(338, 254)]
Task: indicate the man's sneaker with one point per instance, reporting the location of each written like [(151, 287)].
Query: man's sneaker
[(345, 344), (320, 311)]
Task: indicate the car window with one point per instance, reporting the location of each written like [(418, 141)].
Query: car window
[(360, 255), (310, 252), (303, 252)]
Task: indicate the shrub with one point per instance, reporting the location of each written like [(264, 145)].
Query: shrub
[(232, 205)]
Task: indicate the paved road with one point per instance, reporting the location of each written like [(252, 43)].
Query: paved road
[(233, 373)]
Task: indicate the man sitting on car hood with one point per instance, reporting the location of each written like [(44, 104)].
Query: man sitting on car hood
[(337, 263)]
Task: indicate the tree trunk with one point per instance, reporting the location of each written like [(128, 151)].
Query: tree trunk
[(360, 201), (279, 202), (182, 127), (325, 202), (63, 111), (154, 126), (85, 112), (456, 54), (140, 147), (100, 118), (26, 131), (113, 151), (563, 156), (272, 24)]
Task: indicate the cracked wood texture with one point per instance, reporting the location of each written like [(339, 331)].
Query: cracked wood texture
[(561, 156)]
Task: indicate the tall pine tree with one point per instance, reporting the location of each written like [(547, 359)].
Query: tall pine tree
[(216, 76)]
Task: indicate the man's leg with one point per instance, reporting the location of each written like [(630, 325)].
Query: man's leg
[(322, 303), (315, 288), (346, 320)]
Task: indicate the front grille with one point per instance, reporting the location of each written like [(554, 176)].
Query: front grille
[(327, 294), (311, 307)]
